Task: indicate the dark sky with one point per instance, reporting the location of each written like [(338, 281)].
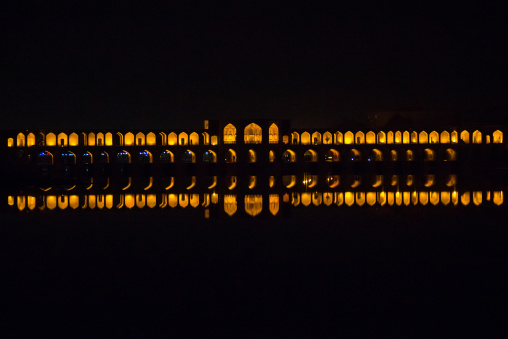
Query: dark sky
[(87, 65)]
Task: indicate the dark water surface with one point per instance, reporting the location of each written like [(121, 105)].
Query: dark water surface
[(317, 272)]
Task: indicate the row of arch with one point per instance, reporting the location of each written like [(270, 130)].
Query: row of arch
[(252, 134), (107, 139), (391, 137)]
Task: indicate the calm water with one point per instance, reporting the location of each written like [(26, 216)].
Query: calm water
[(315, 270)]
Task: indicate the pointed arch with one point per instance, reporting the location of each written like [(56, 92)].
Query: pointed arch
[(477, 137), (189, 157), (30, 140), (183, 139), (230, 204), (429, 155), (355, 155), (433, 137), (210, 156), (194, 138), (398, 137), (332, 155), (151, 139), (360, 138), (172, 139), (414, 137), (464, 136), (445, 137), (310, 156), (145, 157), (327, 138), (289, 156), (166, 157), (389, 137), (252, 134), (50, 139), (100, 139), (338, 138), (128, 139), (316, 138), (423, 138), (87, 158), (108, 139), (73, 139), (497, 137), (454, 137), (381, 137), (376, 155), (295, 138), (349, 138), (305, 138), (230, 134), (91, 139), (230, 156), (405, 137), (451, 154), (371, 137), (273, 134), (20, 140)]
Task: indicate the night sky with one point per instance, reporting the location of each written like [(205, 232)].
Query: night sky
[(87, 65)]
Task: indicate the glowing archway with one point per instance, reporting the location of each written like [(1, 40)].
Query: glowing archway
[(151, 139), (252, 134), (355, 155), (477, 137), (445, 137), (172, 139), (305, 138), (229, 134), (128, 139), (349, 138), (62, 139), (451, 155), (230, 156), (464, 136), (183, 139), (332, 155), (289, 156), (338, 138), (316, 138), (166, 157), (50, 139), (433, 137), (188, 157), (429, 155), (20, 140), (381, 137), (371, 137), (73, 139), (253, 204), (497, 137), (295, 138), (310, 156), (194, 138), (30, 140), (376, 155), (360, 138), (424, 138), (327, 138), (273, 134)]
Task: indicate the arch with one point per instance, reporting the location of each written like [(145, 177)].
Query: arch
[(333, 181), (104, 158), (389, 137), (464, 136), (128, 139), (310, 156), (349, 138), (172, 139), (381, 137), (252, 134), (332, 155), (327, 138), (62, 139), (398, 137), (188, 157), (108, 139), (295, 138), (253, 204), (194, 138), (376, 155), (371, 137), (166, 157), (91, 139), (230, 204), (73, 139), (271, 156), (316, 138), (251, 157), (213, 140), (405, 137), (338, 138), (477, 197), (429, 155), (100, 139), (123, 157), (445, 137), (51, 139), (183, 139), (206, 138), (477, 137), (497, 137), (423, 137), (87, 158), (305, 138), (289, 156), (273, 134), (145, 157), (229, 134), (409, 155), (289, 180), (20, 140), (378, 180), (355, 155), (10, 142), (433, 137), (230, 156), (210, 156), (429, 180), (273, 200), (360, 138), (414, 137), (393, 155), (151, 139), (454, 137), (140, 139), (45, 158), (30, 140), (451, 155)]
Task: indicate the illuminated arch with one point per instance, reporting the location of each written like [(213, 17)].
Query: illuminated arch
[(210, 156), (381, 137), (393, 155), (389, 137), (464, 136), (295, 138), (151, 139), (289, 180), (188, 157), (333, 181), (10, 142), (129, 139), (87, 158), (349, 138), (405, 137), (30, 140), (409, 155), (477, 137), (274, 203), (429, 180), (123, 157), (445, 137), (429, 155), (230, 156), (108, 139), (414, 137), (206, 138), (183, 139), (332, 155), (454, 137), (145, 157), (73, 139), (338, 138), (100, 139), (360, 138), (316, 138), (271, 156), (371, 137), (229, 134), (20, 140), (166, 157), (497, 137), (50, 139), (230, 204), (289, 156), (433, 137), (91, 139), (194, 138), (423, 138), (398, 137), (376, 155), (252, 134), (310, 156), (327, 138), (253, 204), (305, 138), (273, 134), (172, 139), (355, 155), (451, 154), (252, 156)]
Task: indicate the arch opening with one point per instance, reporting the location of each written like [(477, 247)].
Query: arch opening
[(252, 134)]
